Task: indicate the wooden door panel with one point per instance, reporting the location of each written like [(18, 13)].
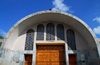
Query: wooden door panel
[(28, 59), (72, 59), (50, 55), (42, 56)]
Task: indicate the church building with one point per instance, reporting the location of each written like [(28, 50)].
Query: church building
[(50, 38)]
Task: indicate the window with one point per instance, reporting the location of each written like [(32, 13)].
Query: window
[(60, 32), (40, 32), (29, 40), (71, 39), (50, 31)]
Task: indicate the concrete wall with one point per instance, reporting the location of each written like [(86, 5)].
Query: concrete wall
[(10, 57), (9, 43), (90, 57)]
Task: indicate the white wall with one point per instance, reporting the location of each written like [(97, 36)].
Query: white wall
[(11, 38)]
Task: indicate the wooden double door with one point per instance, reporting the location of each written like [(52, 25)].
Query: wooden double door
[(50, 55)]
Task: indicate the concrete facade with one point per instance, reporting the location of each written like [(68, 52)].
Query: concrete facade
[(12, 49)]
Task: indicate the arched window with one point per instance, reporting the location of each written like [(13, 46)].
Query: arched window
[(60, 32), (71, 39), (29, 40), (40, 32), (50, 31)]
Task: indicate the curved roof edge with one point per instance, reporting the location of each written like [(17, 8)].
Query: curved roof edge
[(51, 11)]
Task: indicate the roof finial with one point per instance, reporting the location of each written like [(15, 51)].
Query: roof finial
[(50, 9)]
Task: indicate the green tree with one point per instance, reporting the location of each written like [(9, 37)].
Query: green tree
[(1, 37)]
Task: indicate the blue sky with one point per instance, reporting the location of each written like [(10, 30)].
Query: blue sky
[(11, 11)]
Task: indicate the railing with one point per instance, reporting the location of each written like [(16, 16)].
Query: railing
[(72, 63)]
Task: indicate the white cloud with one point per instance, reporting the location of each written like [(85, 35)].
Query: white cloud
[(97, 30), (59, 5), (3, 33), (97, 19)]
